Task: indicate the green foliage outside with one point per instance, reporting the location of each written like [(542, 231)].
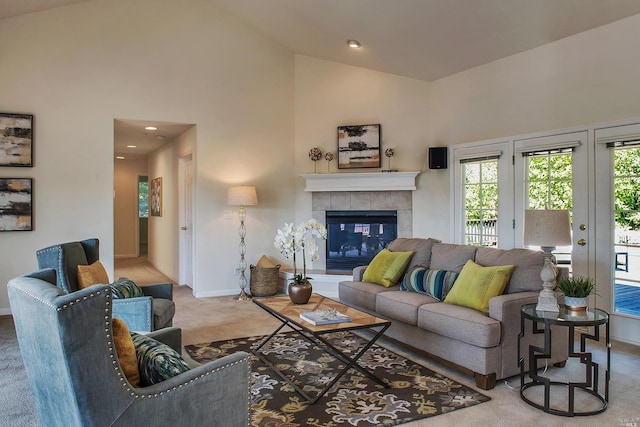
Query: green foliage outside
[(143, 199), (627, 188)]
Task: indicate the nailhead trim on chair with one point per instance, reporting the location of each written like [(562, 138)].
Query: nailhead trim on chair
[(112, 354)]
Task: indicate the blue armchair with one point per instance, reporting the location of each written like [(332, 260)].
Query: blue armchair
[(76, 379), (152, 312)]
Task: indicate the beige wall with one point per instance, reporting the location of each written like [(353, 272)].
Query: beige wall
[(329, 94), (77, 68), (125, 204)]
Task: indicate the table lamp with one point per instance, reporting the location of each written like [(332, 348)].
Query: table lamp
[(547, 229)]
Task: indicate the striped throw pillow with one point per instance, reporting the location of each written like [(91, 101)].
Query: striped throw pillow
[(435, 283)]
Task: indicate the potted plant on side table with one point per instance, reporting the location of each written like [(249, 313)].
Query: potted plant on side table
[(576, 289)]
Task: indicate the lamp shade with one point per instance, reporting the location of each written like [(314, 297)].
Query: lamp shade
[(547, 228), (242, 196)]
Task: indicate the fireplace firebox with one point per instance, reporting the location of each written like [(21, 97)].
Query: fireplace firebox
[(355, 237)]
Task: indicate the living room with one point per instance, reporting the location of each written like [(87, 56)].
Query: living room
[(258, 109)]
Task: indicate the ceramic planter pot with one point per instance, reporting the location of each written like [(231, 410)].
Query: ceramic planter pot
[(300, 293), (575, 303)]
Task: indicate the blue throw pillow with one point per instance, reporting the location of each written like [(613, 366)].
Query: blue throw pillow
[(156, 361), (125, 288), (435, 283)]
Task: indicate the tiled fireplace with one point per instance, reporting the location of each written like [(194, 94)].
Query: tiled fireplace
[(366, 191), (399, 201)]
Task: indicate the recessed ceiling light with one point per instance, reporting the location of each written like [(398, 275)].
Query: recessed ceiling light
[(120, 157), (355, 44), (131, 146), (160, 137), (151, 128)]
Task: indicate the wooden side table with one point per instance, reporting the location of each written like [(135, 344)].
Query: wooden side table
[(591, 317)]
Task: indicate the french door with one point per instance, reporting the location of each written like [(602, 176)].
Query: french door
[(617, 173), (551, 172)]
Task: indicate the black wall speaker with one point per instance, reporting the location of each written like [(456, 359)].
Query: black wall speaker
[(437, 157)]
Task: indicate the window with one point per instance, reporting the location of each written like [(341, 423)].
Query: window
[(481, 201), (143, 197), (549, 180)]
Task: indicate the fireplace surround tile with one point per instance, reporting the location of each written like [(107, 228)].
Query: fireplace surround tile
[(401, 201)]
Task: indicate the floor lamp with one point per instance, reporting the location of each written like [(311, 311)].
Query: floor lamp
[(242, 196), (547, 229)]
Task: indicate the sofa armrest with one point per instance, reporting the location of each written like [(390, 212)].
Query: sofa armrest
[(507, 306), (159, 290), (358, 272), (137, 313)]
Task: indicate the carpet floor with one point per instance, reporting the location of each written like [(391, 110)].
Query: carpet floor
[(415, 392)]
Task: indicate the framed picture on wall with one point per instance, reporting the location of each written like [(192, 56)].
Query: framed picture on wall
[(155, 196), (16, 139), (16, 204), (359, 146)]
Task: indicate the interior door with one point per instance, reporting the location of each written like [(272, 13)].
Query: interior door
[(552, 172), (186, 219)]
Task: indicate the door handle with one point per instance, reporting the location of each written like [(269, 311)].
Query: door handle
[(582, 242), (184, 227)]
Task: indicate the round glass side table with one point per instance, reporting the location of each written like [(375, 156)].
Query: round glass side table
[(542, 321)]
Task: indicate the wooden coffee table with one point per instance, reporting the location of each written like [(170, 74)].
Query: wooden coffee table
[(289, 314)]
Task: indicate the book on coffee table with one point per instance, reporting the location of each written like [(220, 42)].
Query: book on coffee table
[(324, 317)]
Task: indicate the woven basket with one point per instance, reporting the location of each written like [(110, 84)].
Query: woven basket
[(264, 280)]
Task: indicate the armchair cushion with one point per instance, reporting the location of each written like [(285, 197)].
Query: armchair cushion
[(156, 361), (93, 274), (125, 288), (126, 351)]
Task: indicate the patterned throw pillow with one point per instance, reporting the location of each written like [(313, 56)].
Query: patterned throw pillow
[(125, 288), (156, 361), (435, 283)]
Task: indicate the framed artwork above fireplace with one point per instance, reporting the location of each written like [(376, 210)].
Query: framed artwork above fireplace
[(359, 146)]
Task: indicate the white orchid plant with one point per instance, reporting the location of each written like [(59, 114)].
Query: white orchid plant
[(301, 238)]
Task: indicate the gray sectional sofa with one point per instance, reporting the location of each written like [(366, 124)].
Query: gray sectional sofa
[(485, 346)]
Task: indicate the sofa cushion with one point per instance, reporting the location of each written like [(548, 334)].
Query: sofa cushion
[(156, 361), (421, 249), (387, 267), (460, 323), (93, 274), (402, 306), (126, 351), (476, 285), (527, 265), (435, 283), (361, 295), (451, 257)]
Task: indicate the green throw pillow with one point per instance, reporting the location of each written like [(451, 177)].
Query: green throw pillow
[(435, 283), (125, 288), (387, 267), (156, 361), (476, 285)]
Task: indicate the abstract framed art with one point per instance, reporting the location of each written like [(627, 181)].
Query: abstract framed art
[(155, 196), (16, 204), (359, 146), (16, 139)]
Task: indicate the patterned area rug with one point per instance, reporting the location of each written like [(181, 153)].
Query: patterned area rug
[(355, 400)]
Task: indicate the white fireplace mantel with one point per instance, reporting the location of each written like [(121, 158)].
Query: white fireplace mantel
[(371, 181)]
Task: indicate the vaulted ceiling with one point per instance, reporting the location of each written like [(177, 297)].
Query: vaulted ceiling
[(421, 39)]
